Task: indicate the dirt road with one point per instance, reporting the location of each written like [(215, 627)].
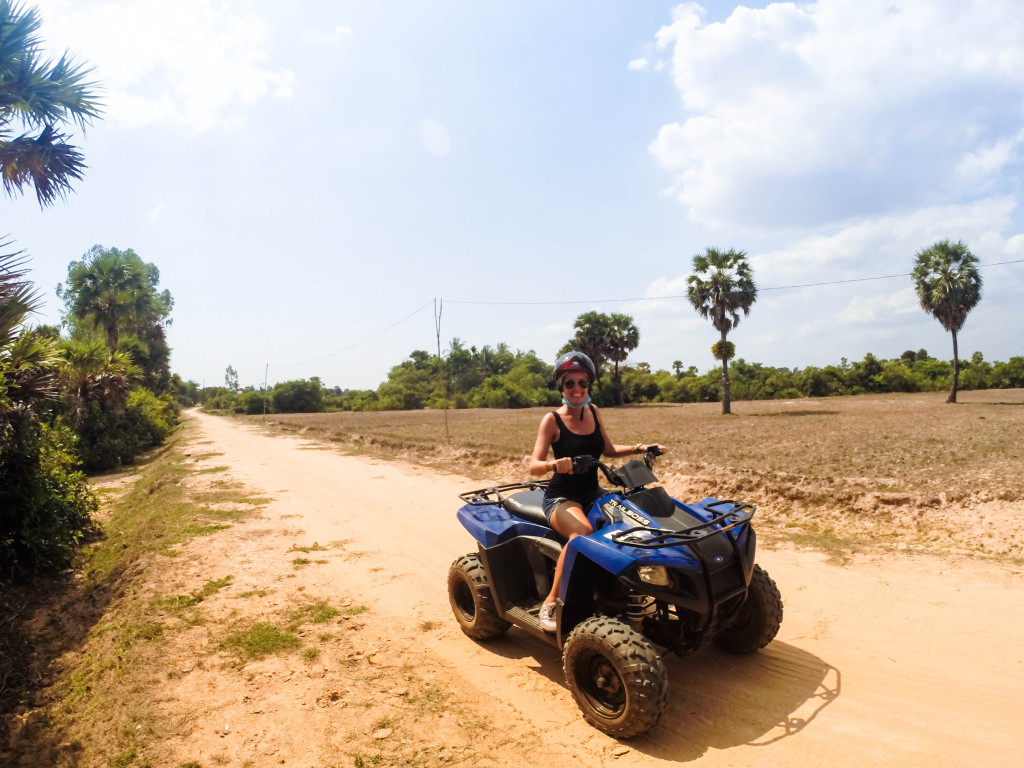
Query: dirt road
[(894, 661)]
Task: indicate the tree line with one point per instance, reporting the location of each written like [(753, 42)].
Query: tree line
[(721, 289), (497, 377), (89, 395)]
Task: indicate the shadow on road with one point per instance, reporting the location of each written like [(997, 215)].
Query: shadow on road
[(716, 700)]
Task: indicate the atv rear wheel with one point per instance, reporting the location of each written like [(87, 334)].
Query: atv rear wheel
[(616, 676), (472, 603), (758, 619)]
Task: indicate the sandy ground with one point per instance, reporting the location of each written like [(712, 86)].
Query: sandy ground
[(888, 660)]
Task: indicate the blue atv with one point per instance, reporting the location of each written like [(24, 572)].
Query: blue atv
[(655, 574)]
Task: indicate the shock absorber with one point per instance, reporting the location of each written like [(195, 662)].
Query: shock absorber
[(636, 609)]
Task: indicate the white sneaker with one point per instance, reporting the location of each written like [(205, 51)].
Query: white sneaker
[(547, 617)]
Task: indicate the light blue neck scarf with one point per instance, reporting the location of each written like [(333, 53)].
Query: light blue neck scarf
[(565, 401)]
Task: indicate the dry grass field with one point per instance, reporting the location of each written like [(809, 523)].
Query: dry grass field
[(840, 473)]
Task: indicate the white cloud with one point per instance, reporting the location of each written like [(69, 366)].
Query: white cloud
[(639, 64), (805, 114), (194, 63), (155, 212), (334, 36), (877, 307), (435, 137), (826, 319)]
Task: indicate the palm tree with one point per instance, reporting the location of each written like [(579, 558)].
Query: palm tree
[(621, 338), (720, 288), (91, 373), (949, 286), (115, 291), (27, 360), (39, 97)]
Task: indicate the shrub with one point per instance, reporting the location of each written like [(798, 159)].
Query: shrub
[(151, 417), (254, 403), (108, 439), (45, 503), (300, 396)]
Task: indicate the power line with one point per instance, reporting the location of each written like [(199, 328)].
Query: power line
[(600, 301), (684, 296), (356, 344)]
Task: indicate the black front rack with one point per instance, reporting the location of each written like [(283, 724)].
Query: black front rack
[(739, 515), (497, 493)]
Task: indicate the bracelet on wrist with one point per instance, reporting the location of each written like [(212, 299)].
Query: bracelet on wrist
[(639, 448)]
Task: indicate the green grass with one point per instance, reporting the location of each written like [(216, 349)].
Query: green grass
[(315, 547), (180, 603), (252, 593), (262, 639), (320, 612), (229, 495), (432, 699), (156, 515), (191, 531), (356, 610)]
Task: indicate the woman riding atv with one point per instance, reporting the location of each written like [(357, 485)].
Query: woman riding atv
[(573, 430)]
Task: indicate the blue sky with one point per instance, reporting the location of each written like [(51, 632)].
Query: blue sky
[(307, 175)]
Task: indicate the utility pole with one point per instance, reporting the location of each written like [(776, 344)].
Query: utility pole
[(437, 327), (264, 398)]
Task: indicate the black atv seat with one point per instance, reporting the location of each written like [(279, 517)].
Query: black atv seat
[(527, 505)]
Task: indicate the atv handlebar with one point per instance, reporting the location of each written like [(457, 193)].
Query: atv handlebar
[(632, 476)]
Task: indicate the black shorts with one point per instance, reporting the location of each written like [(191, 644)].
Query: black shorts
[(586, 501)]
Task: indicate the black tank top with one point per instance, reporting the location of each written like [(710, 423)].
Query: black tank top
[(571, 444)]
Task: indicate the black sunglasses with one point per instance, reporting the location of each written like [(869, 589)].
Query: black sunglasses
[(582, 384)]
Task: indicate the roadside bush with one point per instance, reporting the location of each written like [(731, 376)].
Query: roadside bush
[(254, 403), (109, 439), (152, 418), (221, 399), (299, 396), (45, 503)]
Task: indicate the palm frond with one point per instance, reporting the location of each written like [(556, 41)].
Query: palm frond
[(40, 95), (46, 160), (18, 298)]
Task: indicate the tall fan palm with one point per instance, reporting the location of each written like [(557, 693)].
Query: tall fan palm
[(621, 339), (39, 97), (948, 286), (720, 288), (110, 289)]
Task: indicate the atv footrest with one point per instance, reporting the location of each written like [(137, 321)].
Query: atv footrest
[(527, 619)]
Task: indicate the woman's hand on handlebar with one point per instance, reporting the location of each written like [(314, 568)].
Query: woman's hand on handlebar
[(563, 465)]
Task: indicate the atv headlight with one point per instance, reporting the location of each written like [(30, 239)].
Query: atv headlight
[(656, 575)]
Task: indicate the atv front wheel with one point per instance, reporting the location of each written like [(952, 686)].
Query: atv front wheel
[(616, 676), (758, 619), (472, 603)]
